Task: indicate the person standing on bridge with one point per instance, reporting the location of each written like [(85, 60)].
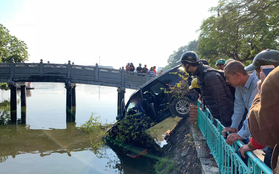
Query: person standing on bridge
[(128, 67), (214, 89), (144, 69), (246, 90), (151, 71), (154, 69), (132, 67), (139, 69)]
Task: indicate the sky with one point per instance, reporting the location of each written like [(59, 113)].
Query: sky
[(109, 32)]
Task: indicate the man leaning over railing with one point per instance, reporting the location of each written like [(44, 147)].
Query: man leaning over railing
[(263, 118), (264, 107), (214, 89), (246, 90)]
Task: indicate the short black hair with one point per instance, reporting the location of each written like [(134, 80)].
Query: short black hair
[(234, 67)]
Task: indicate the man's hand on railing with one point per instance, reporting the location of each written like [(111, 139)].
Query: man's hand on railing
[(229, 129), (243, 149), (232, 138)]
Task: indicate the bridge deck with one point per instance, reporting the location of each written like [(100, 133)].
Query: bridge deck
[(65, 73)]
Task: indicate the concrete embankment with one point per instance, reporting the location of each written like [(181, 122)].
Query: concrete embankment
[(180, 151), (186, 152)]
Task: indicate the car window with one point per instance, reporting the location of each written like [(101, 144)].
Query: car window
[(157, 88), (131, 105), (168, 78)]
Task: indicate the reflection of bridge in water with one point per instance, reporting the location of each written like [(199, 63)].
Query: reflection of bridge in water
[(20, 140), (70, 74), (16, 140)]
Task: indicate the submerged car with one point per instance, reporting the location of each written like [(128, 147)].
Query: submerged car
[(157, 100)]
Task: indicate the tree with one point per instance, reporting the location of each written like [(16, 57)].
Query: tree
[(11, 47), (239, 29), (176, 55)]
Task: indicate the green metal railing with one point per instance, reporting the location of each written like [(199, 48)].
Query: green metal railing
[(226, 156)]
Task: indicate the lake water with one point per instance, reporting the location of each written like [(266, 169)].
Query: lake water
[(47, 145)]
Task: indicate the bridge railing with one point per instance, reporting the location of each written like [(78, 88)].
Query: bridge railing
[(50, 72), (226, 156)]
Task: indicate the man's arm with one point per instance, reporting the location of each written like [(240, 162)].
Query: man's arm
[(239, 109), (244, 131), (213, 82)]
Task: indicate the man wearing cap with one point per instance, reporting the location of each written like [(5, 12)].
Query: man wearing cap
[(263, 119), (214, 89), (266, 57), (220, 64), (260, 115)]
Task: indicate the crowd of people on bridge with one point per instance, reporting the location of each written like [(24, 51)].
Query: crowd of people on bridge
[(244, 99), (130, 68)]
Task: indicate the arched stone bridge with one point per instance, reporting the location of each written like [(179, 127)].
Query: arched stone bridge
[(70, 74)]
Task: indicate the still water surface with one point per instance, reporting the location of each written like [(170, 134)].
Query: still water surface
[(46, 144)]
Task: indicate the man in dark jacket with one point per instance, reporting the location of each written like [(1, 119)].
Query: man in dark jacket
[(214, 89)]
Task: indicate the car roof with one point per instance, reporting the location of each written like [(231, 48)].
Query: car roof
[(174, 69)]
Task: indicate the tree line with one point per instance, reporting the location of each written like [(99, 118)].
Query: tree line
[(237, 29), (11, 47)]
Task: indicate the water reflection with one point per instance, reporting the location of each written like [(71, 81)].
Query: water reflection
[(20, 139), (139, 165), (47, 144), (22, 146), (135, 166)]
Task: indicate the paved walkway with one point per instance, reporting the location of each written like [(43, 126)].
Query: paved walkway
[(208, 163)]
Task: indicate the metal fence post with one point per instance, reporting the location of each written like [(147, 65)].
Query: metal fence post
[(41, 68), (12, 69), (220, 157), (69, 68), (96, 72), (122, 77)]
